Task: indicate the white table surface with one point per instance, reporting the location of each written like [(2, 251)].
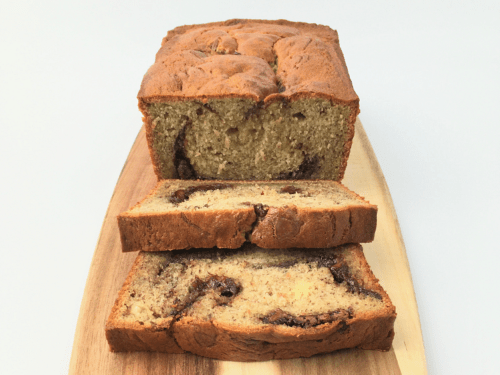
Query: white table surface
[(428, 75)]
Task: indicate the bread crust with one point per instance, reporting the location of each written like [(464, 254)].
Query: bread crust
[(282, 227), (292, 227), (310, 64), (185, 230), (131, 336), (366, 330), (329, 79)]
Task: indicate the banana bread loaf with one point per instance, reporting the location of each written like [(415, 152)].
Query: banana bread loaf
[(249, 100), (183, 214), (251, 304)]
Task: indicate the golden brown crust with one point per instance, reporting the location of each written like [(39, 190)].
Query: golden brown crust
[(369, 330), (232, 59), (185, 230), (291, 227), (282, 227), (210, 339)]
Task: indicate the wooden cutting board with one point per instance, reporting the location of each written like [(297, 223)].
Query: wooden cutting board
[(386, 256)]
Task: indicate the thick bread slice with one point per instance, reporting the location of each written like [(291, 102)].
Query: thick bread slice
[(251, 304), (183, 214)]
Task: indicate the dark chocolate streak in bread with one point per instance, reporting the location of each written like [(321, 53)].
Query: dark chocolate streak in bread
[(279, 316), (341, 273), (306, 169), (290, 189), (182, 163), (261, 211), (225, 288), (182, 195)]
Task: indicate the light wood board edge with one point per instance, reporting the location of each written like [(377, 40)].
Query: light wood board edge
[(387, 254)]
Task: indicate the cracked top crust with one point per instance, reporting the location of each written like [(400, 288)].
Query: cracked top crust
[(255, 59)]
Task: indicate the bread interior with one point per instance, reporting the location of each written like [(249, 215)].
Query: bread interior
[(238, 138), (228, 195), (251, 286)]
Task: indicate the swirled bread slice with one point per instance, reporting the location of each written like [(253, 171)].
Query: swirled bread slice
[(183, 214), (251, 304)]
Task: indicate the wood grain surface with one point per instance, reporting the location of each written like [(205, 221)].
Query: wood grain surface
[(386, 256)]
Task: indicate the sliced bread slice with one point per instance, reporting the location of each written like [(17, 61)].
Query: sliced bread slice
[(183, 214), (251, 304)]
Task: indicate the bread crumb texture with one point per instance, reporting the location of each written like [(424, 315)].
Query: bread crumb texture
[(231, 196), (250, 287)]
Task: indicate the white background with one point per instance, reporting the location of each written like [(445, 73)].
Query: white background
[(428, 77)]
